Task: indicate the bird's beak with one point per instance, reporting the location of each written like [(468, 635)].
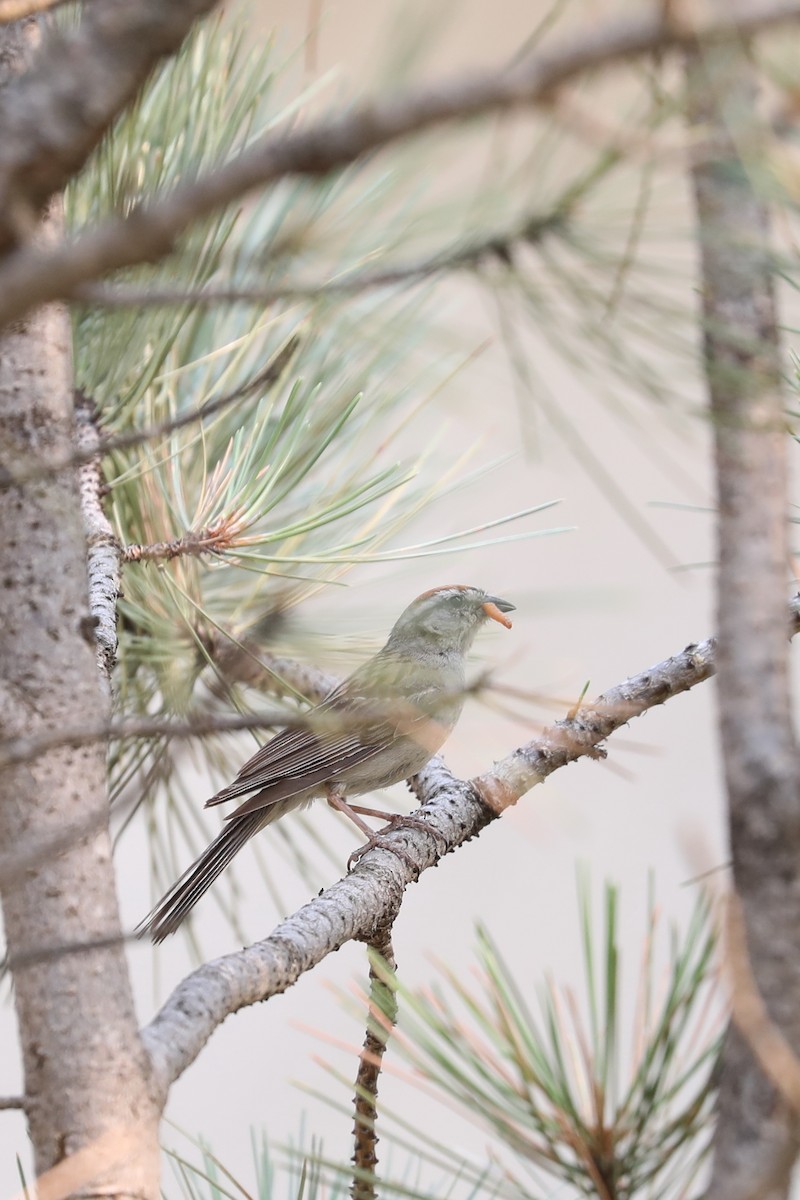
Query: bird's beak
[(496, 608)]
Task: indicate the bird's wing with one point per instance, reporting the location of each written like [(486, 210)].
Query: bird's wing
[(298, 759)]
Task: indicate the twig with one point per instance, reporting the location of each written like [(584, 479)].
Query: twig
[(381, 1019), (501, 246), (214, 539), (104, 553), (13, 475), (32, 276), (9, 1102), (365, 901), (18, 750)]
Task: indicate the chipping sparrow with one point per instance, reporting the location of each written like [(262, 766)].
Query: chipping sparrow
[(380, 726)]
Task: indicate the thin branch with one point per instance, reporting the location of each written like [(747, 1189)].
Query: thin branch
[(104, 553), (18, 750), (33, 275), (214, 539), (381, 1019), (459, 257), (10, 1102), (366, 901), (53, 116), (14, 475)]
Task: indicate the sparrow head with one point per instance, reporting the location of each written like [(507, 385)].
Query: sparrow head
[(447, 618)]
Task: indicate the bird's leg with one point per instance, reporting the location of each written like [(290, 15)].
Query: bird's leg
[(335, 796)]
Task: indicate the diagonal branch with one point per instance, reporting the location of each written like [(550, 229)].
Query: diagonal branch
[(150, 232), (53, 116), (462, 255), (359, 906), (15, 474)]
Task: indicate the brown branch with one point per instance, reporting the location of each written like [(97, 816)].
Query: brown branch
[(53, 116), (31, 276), (465, 256), (18, 750), (759, 751), (367, 900), (381, 1019), (214, 539), (10, 1102)]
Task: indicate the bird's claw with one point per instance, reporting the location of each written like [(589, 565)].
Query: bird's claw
[(377, 841), (398, 822)]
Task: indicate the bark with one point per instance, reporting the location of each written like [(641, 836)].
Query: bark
[(86, 1083), (755, 1142)]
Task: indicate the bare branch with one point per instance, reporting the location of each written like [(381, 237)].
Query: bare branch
[(9, 1102), (359, 906), (18, 750), (53, 116), (461, 256), (31, 276)]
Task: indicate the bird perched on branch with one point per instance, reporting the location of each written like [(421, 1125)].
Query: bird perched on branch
[(380, 726)]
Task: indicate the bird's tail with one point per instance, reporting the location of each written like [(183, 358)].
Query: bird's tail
[(183, 895)]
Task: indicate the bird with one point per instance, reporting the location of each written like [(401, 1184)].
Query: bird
[(378, 727)]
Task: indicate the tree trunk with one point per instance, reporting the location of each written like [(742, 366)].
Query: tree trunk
[(86, 1073), (756, 1137)]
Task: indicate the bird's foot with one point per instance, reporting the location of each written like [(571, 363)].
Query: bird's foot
[(378, 841), (398, 821)]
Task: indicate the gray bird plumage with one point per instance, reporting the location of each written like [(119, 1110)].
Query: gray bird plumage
[(378, 727)]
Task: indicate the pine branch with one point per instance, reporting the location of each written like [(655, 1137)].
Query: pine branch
[(31, 275), (14, 475), (368, 900), (18, 750), (500, 246), (215, 539)]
